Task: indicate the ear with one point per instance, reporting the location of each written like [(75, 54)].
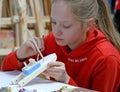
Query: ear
[(90, 23)]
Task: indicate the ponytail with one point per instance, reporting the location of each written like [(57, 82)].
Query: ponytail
[(106, 25)]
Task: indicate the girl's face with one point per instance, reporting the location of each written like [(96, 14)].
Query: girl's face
[(66, 29)]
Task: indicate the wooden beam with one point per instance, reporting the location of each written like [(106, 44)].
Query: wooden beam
[(15, 26), (30, 20), (23, 24), (4, 52), (38, 17), (31, 7), (47, 7), (1, 4)]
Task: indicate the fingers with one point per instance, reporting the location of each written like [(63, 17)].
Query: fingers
[(50, 73), (51, 64), (30, 44), (29, 48), (36, 43), (26, 49), (57, 70), (40, 43), (57, 73), (54, 67)]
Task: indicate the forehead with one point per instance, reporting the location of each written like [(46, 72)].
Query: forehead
[(61, 11)]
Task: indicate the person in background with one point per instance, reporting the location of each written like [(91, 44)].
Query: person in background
[(86, 44), (117, 15), (110, 2), (112, 6)]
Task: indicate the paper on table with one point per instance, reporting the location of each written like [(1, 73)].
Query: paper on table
[(40, 84), (5, 77)]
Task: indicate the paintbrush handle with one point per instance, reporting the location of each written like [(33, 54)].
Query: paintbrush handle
[(38, 50)]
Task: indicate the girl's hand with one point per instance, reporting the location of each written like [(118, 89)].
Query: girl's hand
[(57, 71), (29, 49)]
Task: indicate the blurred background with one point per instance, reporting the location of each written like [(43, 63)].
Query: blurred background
[(19, 19), (115, 12)]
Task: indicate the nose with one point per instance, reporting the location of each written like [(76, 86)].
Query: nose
[(57, 29)]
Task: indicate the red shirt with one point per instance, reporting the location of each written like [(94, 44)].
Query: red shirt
[(117, 4), (95, 64)]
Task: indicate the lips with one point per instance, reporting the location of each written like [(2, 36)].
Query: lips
[(58, 39)]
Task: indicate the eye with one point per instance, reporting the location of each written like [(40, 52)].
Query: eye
[(53, 23), (66, 26)]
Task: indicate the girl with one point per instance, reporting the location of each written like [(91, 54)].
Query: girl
[(86, 44)]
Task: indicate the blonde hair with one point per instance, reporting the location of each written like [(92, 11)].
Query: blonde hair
[(98, 9)]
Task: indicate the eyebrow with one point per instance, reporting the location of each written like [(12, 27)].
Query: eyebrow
[(64, 20)]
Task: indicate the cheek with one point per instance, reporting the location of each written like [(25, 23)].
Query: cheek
[(70, 36), (76, 36)]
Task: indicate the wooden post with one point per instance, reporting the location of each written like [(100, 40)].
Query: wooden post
[(1, 4), (38, 17), (47, 7), (31, 7), (17, 31), (23, 23), (14, 24)]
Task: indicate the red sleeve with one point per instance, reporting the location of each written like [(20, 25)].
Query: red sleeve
[(11, 62)]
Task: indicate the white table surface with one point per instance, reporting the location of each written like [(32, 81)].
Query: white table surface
[(40, 84)]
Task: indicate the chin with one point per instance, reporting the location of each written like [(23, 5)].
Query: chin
[(61, 43)]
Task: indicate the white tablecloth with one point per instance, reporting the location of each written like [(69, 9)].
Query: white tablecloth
[(40, 84)]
